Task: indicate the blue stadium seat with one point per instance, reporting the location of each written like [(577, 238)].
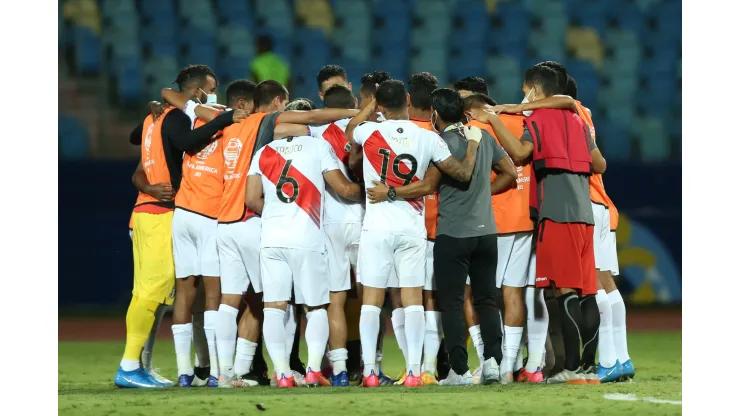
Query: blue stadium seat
[(129, 78), (231, 68), (157, 11), (513, 16), (87, 50), (653, 140), (237, 41), (161, 38), (118, 10), (73, 138), (588, 81), (630, 18), (393, 30), (476, 27), (469, 63), (592, 13), (200, 48), (622, 114), (614, 140)]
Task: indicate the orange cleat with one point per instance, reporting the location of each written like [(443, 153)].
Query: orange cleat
[(286, 382), (413, 381), (316, 379), (370, 381)]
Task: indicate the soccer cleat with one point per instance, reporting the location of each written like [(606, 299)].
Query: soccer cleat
[(566, 377), (212, 381), (401, 378), (327, 372), (384, 380), (185, 380), (299, 379), (154, 372), (355, 377), (201, 376), (590, 374), (610, 374), (226, 382), (454, 379), (490, 372), (256, 379), (506, 378), (340, 380), (137, 379), (412, 380), (527, 377), (316, 379), (427, 378), (370, 381), (286, 382), (476, 375), (628, 370)]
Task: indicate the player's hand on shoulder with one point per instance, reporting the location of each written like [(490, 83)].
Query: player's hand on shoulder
[(506, 108), (240, 114), (377, 193), (482, 114), (155, 108), (162, 191), (472, 133)]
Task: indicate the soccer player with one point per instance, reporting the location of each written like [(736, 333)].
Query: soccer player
[(564, 255), (329, 76), (163, 143), (368, 85), (471, 85), (239, 227), (286, 187), (396, 152)]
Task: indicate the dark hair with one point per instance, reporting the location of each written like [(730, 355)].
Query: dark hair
[(192, 75), (242, 88), (330, 71), (571, 88), (544, 77), (562, 74), (368, 81), (267, 90), (391, 94), (301, 104), (473, 84), (449, 105), (477, 100), (421, 86), (339, 96)]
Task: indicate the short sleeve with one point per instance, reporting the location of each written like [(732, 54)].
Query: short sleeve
[(313, 132), (254, 167), (363, 132), (267, 130), (440, 151), (498, 152), (527, 136), (329, 159)]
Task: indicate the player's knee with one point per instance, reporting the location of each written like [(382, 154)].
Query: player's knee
[(282, 305)]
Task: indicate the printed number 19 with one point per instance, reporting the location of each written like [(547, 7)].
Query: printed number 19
[(405, 177)]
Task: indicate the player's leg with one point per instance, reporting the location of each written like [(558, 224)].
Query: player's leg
[(511, 271), (277, 280), (375, 258), (619, 313), (451, 269), (293, 328), (247, 343), (433, 318), (210, 270), (200, 343), (537, 323), (410, 260), (352, 309), (471, 321), (589, 310), (148, 352), (153, 285)]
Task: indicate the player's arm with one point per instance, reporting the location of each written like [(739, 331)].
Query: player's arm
[(176, 126), (598, 163), (562, 102), (505, 172), (520, 151), (161, 191), (355, 153), (184, 103), (284, 130), (135, 136), (255, 198), (339, 183), (322, 116), (460, 170), (424, 187)]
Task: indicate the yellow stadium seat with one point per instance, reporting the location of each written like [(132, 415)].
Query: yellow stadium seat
[(585, 44), (317, 14)]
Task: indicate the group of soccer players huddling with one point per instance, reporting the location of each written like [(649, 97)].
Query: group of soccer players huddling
[(255, 213)]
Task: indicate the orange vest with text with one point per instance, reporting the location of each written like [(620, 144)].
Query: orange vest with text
[(155, 165), (431, 201), (238, 141), (511, 208), (596, 181), (202, 178)]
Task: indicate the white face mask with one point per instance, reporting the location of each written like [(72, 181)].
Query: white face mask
[(525, 101), (210, 98)]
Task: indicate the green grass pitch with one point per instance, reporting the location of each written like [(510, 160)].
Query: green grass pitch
[(86, 371)]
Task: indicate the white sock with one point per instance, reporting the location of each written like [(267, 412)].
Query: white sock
[(130, 365), (210, 319), (369, 327), (317, 335), (607, 350), (512, 339), (226, 328), (477, 339), (432, 340), (519, 363), (398, 320), (379, 359), (245, 350), (290, 327), (619, 328), (415, 327), (274, 338), (183, 335), (536, 328), (338, 360)]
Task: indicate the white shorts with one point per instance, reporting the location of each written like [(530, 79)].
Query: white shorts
[(381, 252), (194, 244), (515, 267), (342, 246), (605, 241), (289, 269), (429, 283), (238, 253)]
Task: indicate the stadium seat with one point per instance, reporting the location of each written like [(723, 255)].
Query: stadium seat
[(316, 14), (588, 81), (468, 62), (236, 40), (74, 142), (129, 79), (87, 50), (199, 47), (653, 140), (591, 14), (154, 12), (161, 39), (614, 140)]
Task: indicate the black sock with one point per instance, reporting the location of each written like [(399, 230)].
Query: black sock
[(295, 359), (571, 321), (443, 361), (590, 330)]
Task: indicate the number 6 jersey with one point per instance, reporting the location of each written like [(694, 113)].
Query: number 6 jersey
[(293, 185), (397, 153)]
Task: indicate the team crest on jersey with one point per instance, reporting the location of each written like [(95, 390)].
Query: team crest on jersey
[(231, 154), (207, 151), (399, 130)]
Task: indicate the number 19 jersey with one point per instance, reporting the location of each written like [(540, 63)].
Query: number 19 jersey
[(293, 185), (397, 153)]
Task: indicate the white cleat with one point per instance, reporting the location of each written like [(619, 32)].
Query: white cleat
[(227, 382), (453, 379), (476, 375), (155, 373), (300, 380), (490, 372), (566, 377), (199, 382)]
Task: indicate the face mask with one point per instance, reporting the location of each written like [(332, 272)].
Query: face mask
[(210, 98), (525, 101), (434, 120)]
